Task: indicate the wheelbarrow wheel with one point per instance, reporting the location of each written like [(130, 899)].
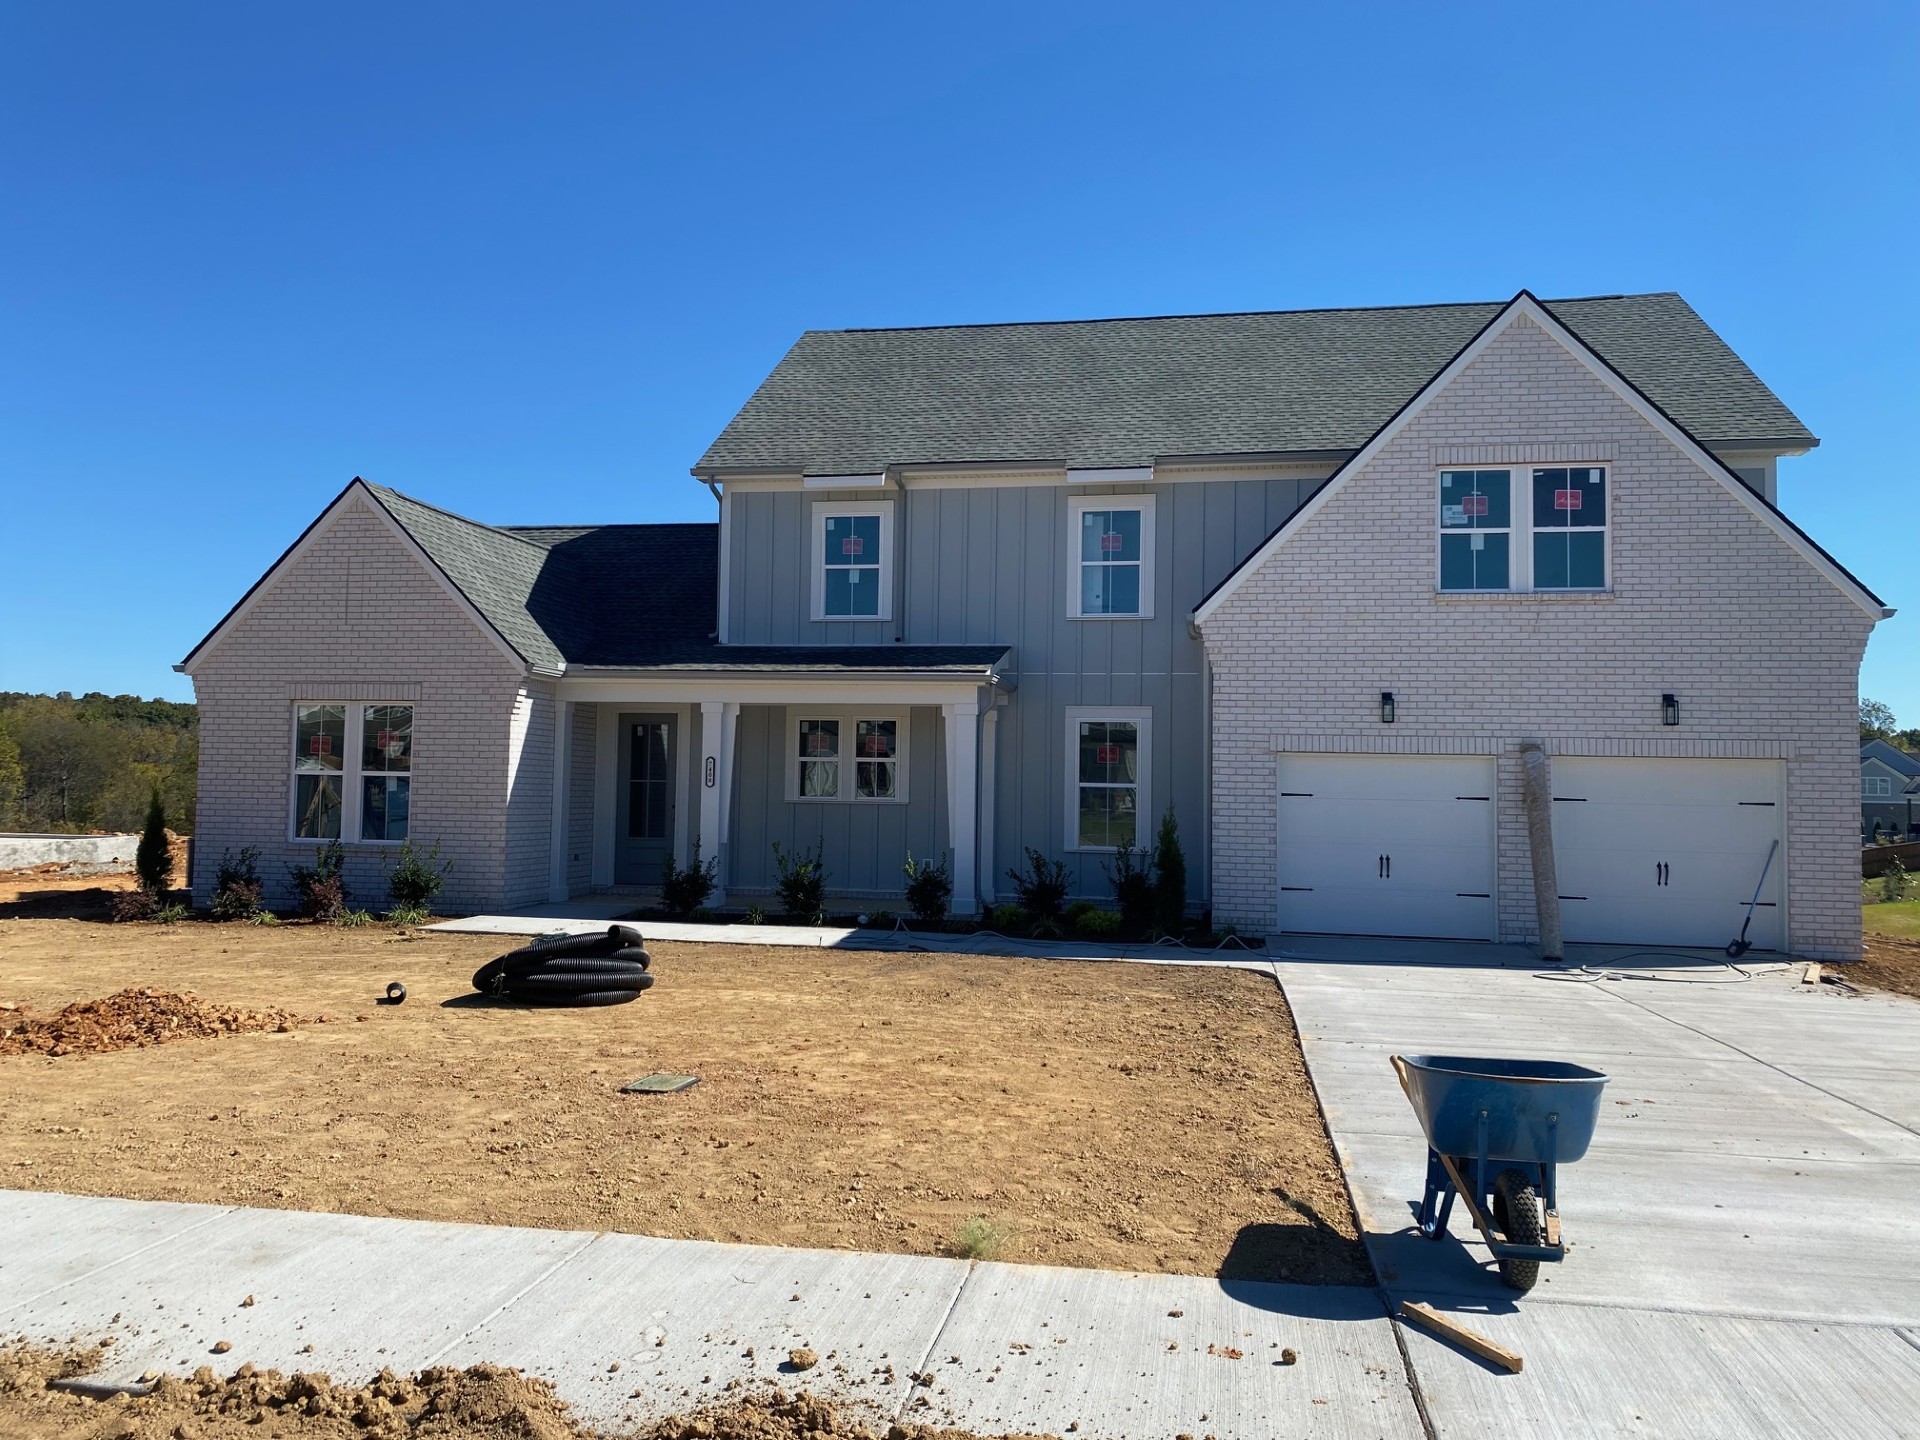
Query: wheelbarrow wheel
[(1516, 1211)]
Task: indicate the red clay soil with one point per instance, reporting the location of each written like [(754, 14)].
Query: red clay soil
[(128, 1019)]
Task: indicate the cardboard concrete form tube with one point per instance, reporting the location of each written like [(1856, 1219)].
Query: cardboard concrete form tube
[(1546, 879)]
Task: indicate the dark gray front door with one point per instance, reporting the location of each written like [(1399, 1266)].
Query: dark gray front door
[(643, 834)]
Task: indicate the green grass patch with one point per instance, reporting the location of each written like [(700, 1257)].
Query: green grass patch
[(1899, 918)]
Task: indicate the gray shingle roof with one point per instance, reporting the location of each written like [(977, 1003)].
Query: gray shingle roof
[(625, 597), (1128, 392)]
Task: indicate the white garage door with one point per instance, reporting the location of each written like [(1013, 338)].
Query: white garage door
[(1387, 845), (1667, 852)]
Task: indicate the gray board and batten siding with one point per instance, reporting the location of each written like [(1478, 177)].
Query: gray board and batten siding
[(987, 565)]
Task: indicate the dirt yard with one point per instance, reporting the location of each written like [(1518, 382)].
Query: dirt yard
[(1890, 964), (1119, 1116)]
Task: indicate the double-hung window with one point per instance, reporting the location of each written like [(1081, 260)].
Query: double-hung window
[(352, 771), (849, 757), (853, 560), (1107, 795), (1110, 557), (1540, 528)]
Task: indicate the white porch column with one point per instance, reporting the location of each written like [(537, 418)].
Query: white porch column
[(989, 782), (729, 728), (963, 801), (562, 799), (707, 781)]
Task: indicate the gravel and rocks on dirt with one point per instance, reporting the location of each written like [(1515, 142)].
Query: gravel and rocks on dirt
[(481, 1402), (127, 1019), (1121, 1117)]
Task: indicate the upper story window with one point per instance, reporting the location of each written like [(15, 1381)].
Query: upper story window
[(1110, 556), (851, 757), (1876, 785), (1551, 535), (853, 560), (352, 771)]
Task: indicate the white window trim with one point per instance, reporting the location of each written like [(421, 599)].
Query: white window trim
[(1876, 787), (1520, 527), (1140, 716), (848, 719), (351, 772), (1078, 505), (824, 510)]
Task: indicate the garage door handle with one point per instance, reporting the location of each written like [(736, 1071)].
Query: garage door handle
[(1384, 867)]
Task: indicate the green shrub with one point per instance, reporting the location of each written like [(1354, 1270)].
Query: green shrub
[(1170, 878), (756, 916), (1007, 919), (929, 889), (802, 886), (1131, 876), (1895, 883), (153, 861), (263, 917), (408, 915), (685, 890), (354, 919), (1042, 888), (319, 888), (1094, 921), (236, 884), (172, 914), (879, 920), (415, 878), (981, 1239)]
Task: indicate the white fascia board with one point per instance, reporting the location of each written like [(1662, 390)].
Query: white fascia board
[(1524, 304), (844, 482), (775, 690), (1111, 475)]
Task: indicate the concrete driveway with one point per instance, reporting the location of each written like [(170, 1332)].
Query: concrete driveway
[(1746, 1227)]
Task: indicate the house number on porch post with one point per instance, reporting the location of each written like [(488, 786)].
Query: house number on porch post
[(710, 773)]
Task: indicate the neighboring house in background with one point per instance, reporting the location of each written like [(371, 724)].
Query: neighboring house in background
[(1889, 788), (1308, 579)]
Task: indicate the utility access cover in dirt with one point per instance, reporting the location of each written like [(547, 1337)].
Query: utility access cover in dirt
[(127, 1019), (482, 1402)]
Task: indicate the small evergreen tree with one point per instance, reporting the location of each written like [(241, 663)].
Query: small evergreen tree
[(153, 861), (1170, 877), (1895, 882)]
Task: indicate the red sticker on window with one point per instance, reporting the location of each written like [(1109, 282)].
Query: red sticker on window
[(385, 740), (874, 745), (1473, 504), (853, 545), (1566, 499), (1106, 754), (819, 743), (1110, 543), (322, 745)]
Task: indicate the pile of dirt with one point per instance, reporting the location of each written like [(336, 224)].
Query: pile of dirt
[(483, 1402), (130, 1018)]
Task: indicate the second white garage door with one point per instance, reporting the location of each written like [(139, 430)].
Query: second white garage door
[(1668, 852), (1387, 845)]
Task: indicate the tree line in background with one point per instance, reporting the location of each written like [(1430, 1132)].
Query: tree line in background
[(1877, 722), (94, 762)]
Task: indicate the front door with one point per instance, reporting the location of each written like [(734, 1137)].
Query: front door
[(643, 829)]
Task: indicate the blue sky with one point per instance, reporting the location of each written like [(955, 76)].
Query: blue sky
[(524, 261)]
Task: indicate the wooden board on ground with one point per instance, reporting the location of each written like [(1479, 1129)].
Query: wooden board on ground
[(1448, 1328)]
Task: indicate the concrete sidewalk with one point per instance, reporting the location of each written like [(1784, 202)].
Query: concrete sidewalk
[(1009, 1347), (1745, 1229)]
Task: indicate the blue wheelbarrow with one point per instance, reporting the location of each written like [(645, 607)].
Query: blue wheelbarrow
[(1496, 1131)]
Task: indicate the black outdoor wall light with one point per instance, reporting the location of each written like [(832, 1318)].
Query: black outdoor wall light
[(1386, 707), (1669, 710)]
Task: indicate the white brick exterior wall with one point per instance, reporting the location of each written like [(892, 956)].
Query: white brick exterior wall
[(356, 617), (1707, 602)]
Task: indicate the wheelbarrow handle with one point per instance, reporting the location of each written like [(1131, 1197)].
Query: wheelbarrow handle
[(1400, 1068)]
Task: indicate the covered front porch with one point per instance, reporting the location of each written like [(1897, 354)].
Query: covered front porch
[(868, 766)]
